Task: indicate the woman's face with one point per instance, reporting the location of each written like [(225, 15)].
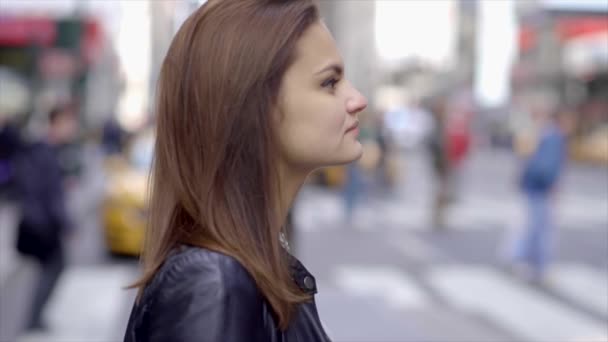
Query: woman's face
[(318, 107)]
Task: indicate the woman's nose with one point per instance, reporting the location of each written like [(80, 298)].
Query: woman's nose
[(356, 102)]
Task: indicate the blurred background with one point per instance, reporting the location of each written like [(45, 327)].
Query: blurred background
[(445, 230)]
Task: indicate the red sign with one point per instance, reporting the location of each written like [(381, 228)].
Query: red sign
[(91, 41), (566, 29), (570, 28), (26, 31)]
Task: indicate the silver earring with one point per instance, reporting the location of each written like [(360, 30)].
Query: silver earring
[(283, 241)]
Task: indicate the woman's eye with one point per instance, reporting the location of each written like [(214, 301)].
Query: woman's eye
[(330, 83)]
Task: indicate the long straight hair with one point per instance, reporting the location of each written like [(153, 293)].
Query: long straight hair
[(214, 178)]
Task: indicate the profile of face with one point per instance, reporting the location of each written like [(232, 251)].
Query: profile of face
[(317, 121)]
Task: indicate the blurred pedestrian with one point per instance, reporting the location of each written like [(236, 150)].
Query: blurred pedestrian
[(383, 171), (437, 144), (358, 174), (10, 144), (352, 191), (44, 221), (113, 137), (539, 181), (458, 141), (252, 99)]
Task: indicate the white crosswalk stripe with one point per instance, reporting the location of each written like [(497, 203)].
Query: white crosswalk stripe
[(523, 311), (326, 211), (527, 313), (87, 305), (396, 288), (582, 283), (416, 249)]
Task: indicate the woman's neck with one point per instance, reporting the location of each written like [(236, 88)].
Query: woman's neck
[(290, 182)]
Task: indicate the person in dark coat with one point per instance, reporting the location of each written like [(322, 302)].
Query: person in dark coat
[(10, 144), (44, 221), (437, 145), (113, 137)]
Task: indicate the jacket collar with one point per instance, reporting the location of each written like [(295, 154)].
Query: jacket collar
[(305, 281)]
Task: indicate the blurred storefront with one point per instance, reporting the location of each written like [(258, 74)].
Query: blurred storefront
[(52, 56), (564, 52)]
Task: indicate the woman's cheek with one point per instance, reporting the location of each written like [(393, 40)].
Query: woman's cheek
[(340, 121)]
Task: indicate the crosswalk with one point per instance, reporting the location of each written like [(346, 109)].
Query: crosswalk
[(526, 312), (531, 315), (396, 288), (582, 283), (90, 304), (326, 211)]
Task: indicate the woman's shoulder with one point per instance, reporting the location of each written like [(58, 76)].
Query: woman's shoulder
[(199, 294), (193, 269)]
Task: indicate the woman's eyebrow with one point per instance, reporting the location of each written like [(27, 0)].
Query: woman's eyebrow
[(336, 67)]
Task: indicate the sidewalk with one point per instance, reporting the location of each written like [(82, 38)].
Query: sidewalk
[(9, 259), (16, 275)]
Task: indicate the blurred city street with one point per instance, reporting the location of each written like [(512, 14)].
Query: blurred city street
[(450, 285), (414, 242), (390, 273)]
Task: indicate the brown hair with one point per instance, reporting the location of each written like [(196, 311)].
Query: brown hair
[(214, 180)]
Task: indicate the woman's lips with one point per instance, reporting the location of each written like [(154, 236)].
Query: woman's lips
[(353, 127)]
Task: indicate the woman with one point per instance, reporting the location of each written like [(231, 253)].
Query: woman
[(251, 99)]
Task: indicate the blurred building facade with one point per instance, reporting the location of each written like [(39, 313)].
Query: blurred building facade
[(58, 49), (564, 53)]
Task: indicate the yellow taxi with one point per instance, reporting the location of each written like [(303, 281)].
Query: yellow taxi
[(125, 207), (593, 147)]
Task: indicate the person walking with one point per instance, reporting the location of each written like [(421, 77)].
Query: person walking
[(44, 221), (539, 181)]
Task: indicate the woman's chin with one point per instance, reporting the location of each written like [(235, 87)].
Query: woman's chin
[(358, 152), (347, 155), (354, 153)]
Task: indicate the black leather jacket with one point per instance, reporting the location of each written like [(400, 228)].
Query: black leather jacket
[(200, 295)]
